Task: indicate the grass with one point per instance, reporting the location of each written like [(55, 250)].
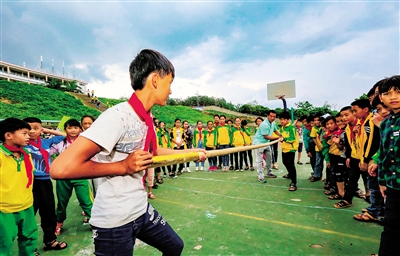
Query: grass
[(232, 214), (22, 100)]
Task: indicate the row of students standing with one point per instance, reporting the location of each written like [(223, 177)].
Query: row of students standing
[(362, 141)]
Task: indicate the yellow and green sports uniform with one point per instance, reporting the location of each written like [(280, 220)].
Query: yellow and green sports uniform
[(224, 136), (163, 138), (238, 139), (210, 138), (316, 134), (16, 205), (174, 135)]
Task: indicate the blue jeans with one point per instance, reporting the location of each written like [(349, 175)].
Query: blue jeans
[(319, 164), (225, 158), (151, 228), (200, 145), (376, 197)]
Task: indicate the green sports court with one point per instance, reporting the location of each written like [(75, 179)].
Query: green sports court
[(231, 213)]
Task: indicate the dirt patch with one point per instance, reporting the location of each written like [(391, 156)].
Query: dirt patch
[(6, 101)]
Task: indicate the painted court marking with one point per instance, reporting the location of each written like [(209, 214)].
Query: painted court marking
[(261, 201), (282, 223), (247, 183)]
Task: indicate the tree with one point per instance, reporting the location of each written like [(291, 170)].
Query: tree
[(363, 96)]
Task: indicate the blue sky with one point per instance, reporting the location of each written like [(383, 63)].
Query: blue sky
[(334, 50)]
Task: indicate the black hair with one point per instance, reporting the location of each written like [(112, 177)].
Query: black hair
[(377, 101), (177, 119), (371, 92), (285, 115), (321, 119), (243, 123), (346, 109), (229, 121), (147, 62), (316, 116), (390, 83), (199, 121), (72, 122), (89, 116), (216, 115), (32, 120), (259, 118), (11, 125), (222, 116), (323, 123), (310, 119), (362, 103), (338, 115), (302, 118), (271, 111), (210, 121)]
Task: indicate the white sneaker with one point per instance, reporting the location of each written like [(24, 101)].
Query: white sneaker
[(187, 169), (202, 168), (237, 170), (241, 170), (197, 168)]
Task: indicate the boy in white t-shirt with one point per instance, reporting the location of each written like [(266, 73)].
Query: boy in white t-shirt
[(125, 139)]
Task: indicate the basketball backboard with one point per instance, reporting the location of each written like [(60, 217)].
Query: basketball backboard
[(287, 88)]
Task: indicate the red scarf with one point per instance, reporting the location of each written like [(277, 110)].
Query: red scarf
[(28, 164), (200, 133), (336, 132), (68, 139), (43, 152), (150, 143)]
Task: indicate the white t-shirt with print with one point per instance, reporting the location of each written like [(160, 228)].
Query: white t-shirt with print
[(119, 199)]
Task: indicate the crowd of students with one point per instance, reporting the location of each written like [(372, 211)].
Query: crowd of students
[(116, 152)]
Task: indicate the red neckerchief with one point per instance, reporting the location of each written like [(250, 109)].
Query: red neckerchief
[(309, 127), (150, 144), (210, 132), (200, 132), (68, 139), (43, 152), (28, 164), (336, 132)]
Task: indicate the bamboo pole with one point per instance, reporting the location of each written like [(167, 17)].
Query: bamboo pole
[(159, 161)]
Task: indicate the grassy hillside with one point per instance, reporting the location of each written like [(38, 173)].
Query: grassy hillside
[(18, 99)]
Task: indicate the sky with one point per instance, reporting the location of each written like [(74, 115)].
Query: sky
[(334, 50)]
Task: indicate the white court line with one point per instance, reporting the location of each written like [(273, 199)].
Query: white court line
[(262, 201), (255, 183)]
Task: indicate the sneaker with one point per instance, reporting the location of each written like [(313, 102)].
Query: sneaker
[(251, 168), (246, 168), (237, 170), (201, 168), (219, 167), (270, 175), (210, 169), (179, 173), (196, 169), (165, 175), (172, 176), (299, 163), (215, 168), (241, 169), (187, 169), (231, 168), (262, 180)]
